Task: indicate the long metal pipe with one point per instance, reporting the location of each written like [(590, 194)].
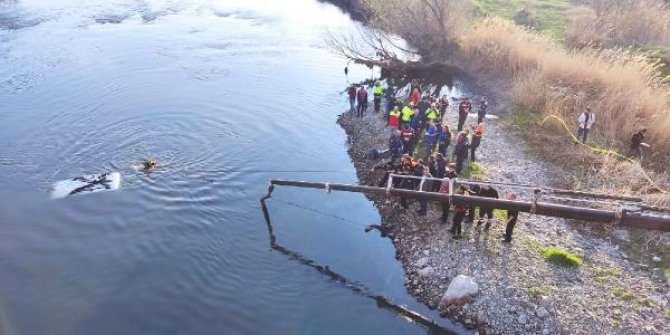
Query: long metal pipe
[(634, 220)]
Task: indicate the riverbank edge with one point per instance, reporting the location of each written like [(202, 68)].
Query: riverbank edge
[(521, 299)]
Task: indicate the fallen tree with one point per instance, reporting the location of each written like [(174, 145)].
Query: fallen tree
[(429, 27)]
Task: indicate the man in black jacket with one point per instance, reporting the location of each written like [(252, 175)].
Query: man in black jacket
[(488, 192), (473, 190), (636, 144), (512, 217)]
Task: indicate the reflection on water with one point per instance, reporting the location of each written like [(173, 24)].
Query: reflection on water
[(225, 95)]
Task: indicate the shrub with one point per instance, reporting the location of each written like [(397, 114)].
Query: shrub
[(624, 294), (430, 26), (561, 257), (472, 170), (525, 17)]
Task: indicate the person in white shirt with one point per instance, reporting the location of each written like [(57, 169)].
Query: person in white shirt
[(586, 121)]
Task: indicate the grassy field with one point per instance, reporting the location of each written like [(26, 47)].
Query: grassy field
[(549, 14)]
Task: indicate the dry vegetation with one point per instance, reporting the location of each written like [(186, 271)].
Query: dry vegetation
[(591, 64), (625, 90), (609, 23), (431, 26)]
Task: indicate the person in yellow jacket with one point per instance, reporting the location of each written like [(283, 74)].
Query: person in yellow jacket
[(394, 118), (407, 113), (377, 91), (432, 114)]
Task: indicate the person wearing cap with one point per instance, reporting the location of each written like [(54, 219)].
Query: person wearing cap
[(483, 108), (477, 134), (407, 113), (512, 217), (463, 110)]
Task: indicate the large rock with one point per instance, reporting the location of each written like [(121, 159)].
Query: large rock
[(460, 290)]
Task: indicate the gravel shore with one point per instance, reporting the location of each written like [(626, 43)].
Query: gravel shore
[(519, 291)]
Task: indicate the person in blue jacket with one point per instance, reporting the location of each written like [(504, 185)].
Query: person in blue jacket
[(431, 137), (415, 121)]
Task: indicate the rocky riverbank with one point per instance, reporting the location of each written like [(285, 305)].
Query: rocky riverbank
[(519, 291)]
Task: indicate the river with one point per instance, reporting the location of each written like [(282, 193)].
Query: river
[(225, 95)]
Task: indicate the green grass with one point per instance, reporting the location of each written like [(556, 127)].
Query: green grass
[(500, 215), (648, 303), (550, 14), (532, 244), (554, 255), (662, 55), (624, 294), (561, 257), (666, 274), (472, 170), (606, 274), (523, 118), (538, 291)]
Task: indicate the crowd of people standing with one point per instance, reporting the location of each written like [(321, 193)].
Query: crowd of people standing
[(419, 147), (420, 139)]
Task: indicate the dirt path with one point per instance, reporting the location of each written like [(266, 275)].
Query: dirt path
[(520, 292)]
